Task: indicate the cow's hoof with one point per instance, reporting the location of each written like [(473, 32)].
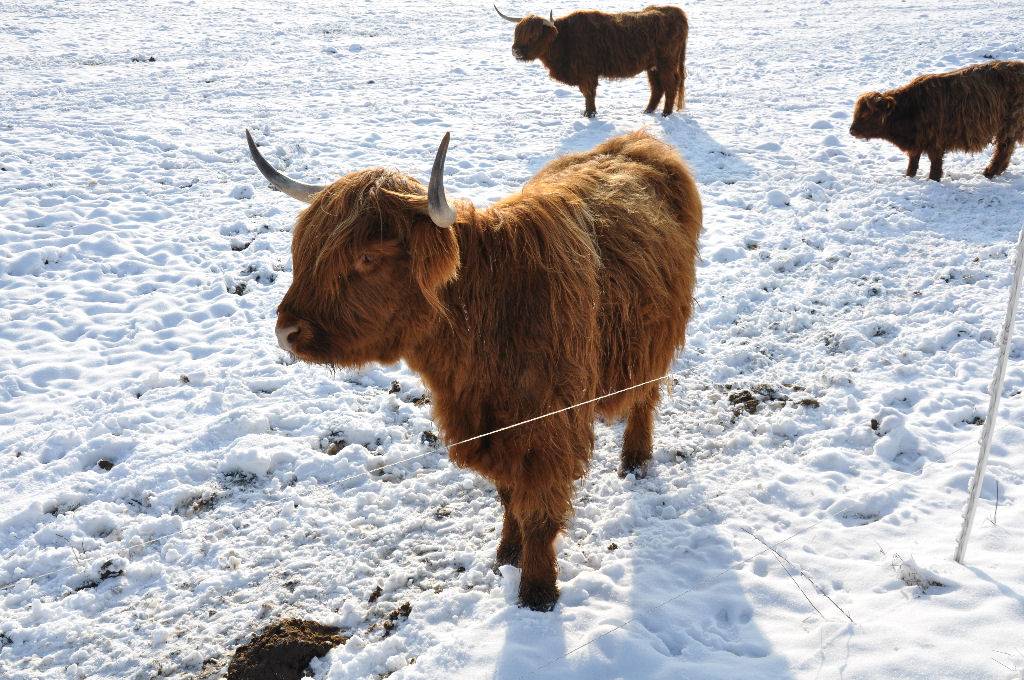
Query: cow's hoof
[(638, 470), (539, 598), (589, 114)]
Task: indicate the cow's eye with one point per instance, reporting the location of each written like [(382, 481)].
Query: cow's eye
[(367, 262)]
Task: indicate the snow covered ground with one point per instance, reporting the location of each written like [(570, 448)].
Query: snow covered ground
[(171, 482)]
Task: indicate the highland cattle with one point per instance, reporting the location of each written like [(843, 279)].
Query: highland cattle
[(963, 110), (583, 46), (578, 286)]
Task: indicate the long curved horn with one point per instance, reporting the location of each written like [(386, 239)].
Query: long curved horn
[(303, 192), (442, 213), (550, 22), (514, 20)]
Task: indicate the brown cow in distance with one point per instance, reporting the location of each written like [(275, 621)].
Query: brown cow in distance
[(963, 110), (583, 46), (578, 286)]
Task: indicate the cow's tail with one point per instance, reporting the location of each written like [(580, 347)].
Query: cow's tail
[(681, 91)]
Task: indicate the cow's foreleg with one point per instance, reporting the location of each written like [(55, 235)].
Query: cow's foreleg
[(589, 90), (915, 159), (1001, 158), (656, 91), (935, 157), (639, 436), (510, 547), (542, 510)]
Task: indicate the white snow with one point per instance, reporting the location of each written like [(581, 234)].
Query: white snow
[(142, 257)]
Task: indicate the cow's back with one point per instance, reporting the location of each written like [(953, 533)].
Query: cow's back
[(645, 215), (616, 45), (965, 109)]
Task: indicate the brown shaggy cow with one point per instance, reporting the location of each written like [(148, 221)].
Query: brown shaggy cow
[(581, 47), (578, 286), (963, 110)]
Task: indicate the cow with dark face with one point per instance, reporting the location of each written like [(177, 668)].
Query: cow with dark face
[(963, 110), (578, 286), (581, 47)]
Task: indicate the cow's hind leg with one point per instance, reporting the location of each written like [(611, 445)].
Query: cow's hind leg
[(912, 164), (1001, 158), (638, 439), (656, 91), (935, 158), (510, 547), (668, 78)]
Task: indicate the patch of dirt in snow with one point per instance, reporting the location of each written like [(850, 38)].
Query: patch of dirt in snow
[(747, 400), (283, 650)]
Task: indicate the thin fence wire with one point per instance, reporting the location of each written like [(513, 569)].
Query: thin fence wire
[(36, 578)]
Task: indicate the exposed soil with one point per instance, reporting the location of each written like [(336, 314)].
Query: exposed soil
[(283, 650), (748, 400), (389, 622)]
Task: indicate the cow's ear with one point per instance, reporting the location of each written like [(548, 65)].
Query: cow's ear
[(881, 102), (434, 257)]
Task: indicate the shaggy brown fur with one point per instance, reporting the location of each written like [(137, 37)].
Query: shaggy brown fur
[(584, 46), (579, 285), (964, 110)]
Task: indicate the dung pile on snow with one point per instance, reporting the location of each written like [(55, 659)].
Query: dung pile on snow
[(283, 651)]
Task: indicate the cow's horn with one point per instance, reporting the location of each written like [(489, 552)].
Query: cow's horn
[(303, 192), (550, 22), (442, 213), (514, 20)]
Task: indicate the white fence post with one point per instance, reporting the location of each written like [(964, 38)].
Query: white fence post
[(995, 390)]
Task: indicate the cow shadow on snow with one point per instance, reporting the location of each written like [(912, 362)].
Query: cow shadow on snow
[(685, 614), (709, 160), (964, 206), (692, 608)]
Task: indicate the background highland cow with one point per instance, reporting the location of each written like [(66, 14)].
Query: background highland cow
[(583, 46), (579, 286), (964, 110)]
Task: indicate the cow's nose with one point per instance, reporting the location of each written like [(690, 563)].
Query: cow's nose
[(286, 337)]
